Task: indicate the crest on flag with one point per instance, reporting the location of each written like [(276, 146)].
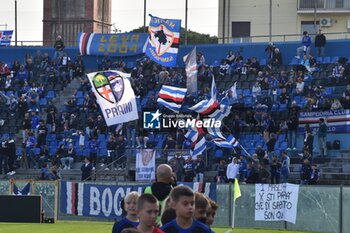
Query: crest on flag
[(161, 38), (109, 85)]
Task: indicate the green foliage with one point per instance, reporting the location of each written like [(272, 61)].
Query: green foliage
[(192, 37)]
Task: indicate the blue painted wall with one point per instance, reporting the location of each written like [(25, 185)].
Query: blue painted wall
[(211, 52)]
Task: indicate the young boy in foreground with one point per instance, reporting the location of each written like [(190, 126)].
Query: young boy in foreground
[(147, 211), (131, 220), (182, 200)]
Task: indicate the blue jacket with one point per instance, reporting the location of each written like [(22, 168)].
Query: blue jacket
[(306, 41)]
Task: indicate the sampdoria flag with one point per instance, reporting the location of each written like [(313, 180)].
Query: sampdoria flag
[(114, 95), (230, 142), (231, 96), (24, 191), (163, 41), (171, 97), (198, 146), (191, 71), (207, 107), (221, 112), (5, 37), (236, 190)]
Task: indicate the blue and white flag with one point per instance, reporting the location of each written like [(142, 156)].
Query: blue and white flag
[(171, 97), (5, 37), (207, 107), (230, 142), (231, 96), (198, 146), (163, 41), (24, 191), (221, 112)]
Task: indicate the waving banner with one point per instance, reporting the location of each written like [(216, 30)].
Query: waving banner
[(114, 95), (164, 39), (122, 44), (103, 201)]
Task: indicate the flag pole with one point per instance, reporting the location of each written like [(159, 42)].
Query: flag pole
[(233, 213)]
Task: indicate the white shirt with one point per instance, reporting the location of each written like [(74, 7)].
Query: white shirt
[(232, 171)]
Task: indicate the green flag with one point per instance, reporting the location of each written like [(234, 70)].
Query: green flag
[(236, 190)]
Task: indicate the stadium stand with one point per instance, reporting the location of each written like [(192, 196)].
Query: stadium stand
[(74, 117)]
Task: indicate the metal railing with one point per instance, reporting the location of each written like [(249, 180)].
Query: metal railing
[(221, 40), (324, 4)]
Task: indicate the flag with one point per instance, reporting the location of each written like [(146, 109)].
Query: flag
[(163, 40), (232, 93), (236, 190), (114, 95), (221, 112), (191, 71), (230, 97), (24, 191), (5, 37), (230, 142), (171, 97), (207, 107), (198, 146)]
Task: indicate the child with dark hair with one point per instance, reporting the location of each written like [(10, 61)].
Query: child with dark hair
[(183, 202), (147, 211), (131, 220)]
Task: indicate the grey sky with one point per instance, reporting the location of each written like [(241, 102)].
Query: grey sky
[(126, 14)]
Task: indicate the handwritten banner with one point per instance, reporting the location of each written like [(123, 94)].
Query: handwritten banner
[(122, 44), (276, 202)]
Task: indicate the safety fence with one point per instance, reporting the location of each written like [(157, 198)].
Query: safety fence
[(319, 208)]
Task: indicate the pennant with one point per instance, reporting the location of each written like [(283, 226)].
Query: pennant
[(191, 71), (236, 190), (171, 97), (163, 40)]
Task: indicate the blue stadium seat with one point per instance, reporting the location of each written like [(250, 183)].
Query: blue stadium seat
[(101, 137), (79, 94), (274, 108), (295, 61), (247, 92), (50, 95), (43, 102), (239, 91), (319, 60), (18, 151), (334, 59), (248, 101), (216, 63), (326, 60), (263, 62), (80, 101), (328, 91), (219, 154), (283, 145), (130, 64)]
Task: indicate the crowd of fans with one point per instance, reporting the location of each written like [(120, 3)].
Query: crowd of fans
[(270, 97)]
